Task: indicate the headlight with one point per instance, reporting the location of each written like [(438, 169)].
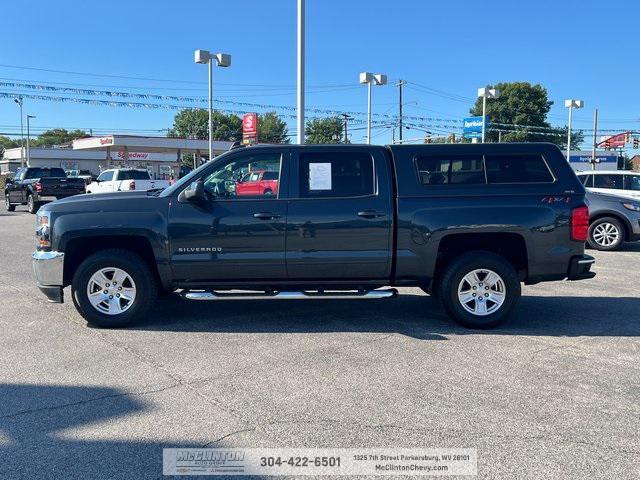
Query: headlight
[(43, 230), (632, 206)]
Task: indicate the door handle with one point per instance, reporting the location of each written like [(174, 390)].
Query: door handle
[(371, 214), (266, 215)]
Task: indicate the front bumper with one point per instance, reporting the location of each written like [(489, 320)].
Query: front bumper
[(580, 267), (48, 268)]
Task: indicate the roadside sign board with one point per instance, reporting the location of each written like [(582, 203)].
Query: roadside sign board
[(472, 126), (250, 128), (585, 157)]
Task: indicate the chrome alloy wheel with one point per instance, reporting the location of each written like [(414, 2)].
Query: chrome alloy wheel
[(111, 291), (606, 234), (481, 292)]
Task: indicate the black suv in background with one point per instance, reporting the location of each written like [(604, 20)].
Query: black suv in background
[(468, 223)]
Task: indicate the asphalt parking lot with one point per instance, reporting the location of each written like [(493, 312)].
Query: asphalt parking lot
[(554, 393)]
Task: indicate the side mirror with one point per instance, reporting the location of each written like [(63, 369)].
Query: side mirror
[(193, 193)]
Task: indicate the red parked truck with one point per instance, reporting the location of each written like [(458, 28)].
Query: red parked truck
[(258, 182)]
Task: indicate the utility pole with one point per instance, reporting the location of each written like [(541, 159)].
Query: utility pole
[(28, 135), (346, 118), (400, 85), (595, 141), (300, 85)]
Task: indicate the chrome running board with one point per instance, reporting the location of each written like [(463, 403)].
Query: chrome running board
[(296, 295)]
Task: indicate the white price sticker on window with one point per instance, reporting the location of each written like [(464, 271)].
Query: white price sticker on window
[(320, 176)]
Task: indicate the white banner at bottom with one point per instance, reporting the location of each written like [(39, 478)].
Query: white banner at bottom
[(320, 461)]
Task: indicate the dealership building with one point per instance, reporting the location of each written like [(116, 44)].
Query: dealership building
[(161, 156)]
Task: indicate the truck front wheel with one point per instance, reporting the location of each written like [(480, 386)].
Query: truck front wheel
[(8, 205), (113, 288), (479, 289)]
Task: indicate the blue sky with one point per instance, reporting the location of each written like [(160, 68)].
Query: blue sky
[(579, 49)]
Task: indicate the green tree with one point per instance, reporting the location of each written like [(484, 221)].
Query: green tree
[(6, 142), (521, 103), (272, 129), (325, 130), (57, 136), (193, 123)]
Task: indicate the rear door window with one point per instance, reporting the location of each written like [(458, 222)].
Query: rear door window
[(133, 175), (336, 174), (608, 181), (450, 169)]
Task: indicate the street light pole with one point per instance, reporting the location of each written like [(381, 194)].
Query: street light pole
[(210, 67), (300, 74), (28, 148), (486, 93), (223, 60), (19, 101), (595, 141), (371, 79), (484, 116), (369, 113), (400, 105), (570, 104)]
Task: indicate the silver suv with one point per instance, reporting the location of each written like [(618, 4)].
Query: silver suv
[(613, 219)]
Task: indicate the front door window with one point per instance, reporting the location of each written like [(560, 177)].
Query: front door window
[(255, 176)]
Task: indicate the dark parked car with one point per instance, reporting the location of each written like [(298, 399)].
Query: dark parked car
[(34, 186), (467, 223), (613, 220)]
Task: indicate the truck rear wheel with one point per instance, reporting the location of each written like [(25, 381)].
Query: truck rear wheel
[(113, 288), (479, 289), (32, 205)]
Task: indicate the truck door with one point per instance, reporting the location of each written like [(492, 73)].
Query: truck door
[(104, 182), (231, 237), (339, 221), (15, 190)]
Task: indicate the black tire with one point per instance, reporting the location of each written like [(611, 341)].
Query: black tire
[(452, 280), (32, 206), (268, 192), (145, 285), (602, 231), (8, 205)]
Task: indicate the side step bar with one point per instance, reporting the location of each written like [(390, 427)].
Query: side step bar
[(297, 295)]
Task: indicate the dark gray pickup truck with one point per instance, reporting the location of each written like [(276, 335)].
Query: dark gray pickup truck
[(34, 186), (468, 223)]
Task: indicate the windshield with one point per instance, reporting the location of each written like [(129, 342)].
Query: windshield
[(186, 180)]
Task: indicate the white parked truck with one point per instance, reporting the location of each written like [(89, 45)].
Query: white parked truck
[(125, 179)]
